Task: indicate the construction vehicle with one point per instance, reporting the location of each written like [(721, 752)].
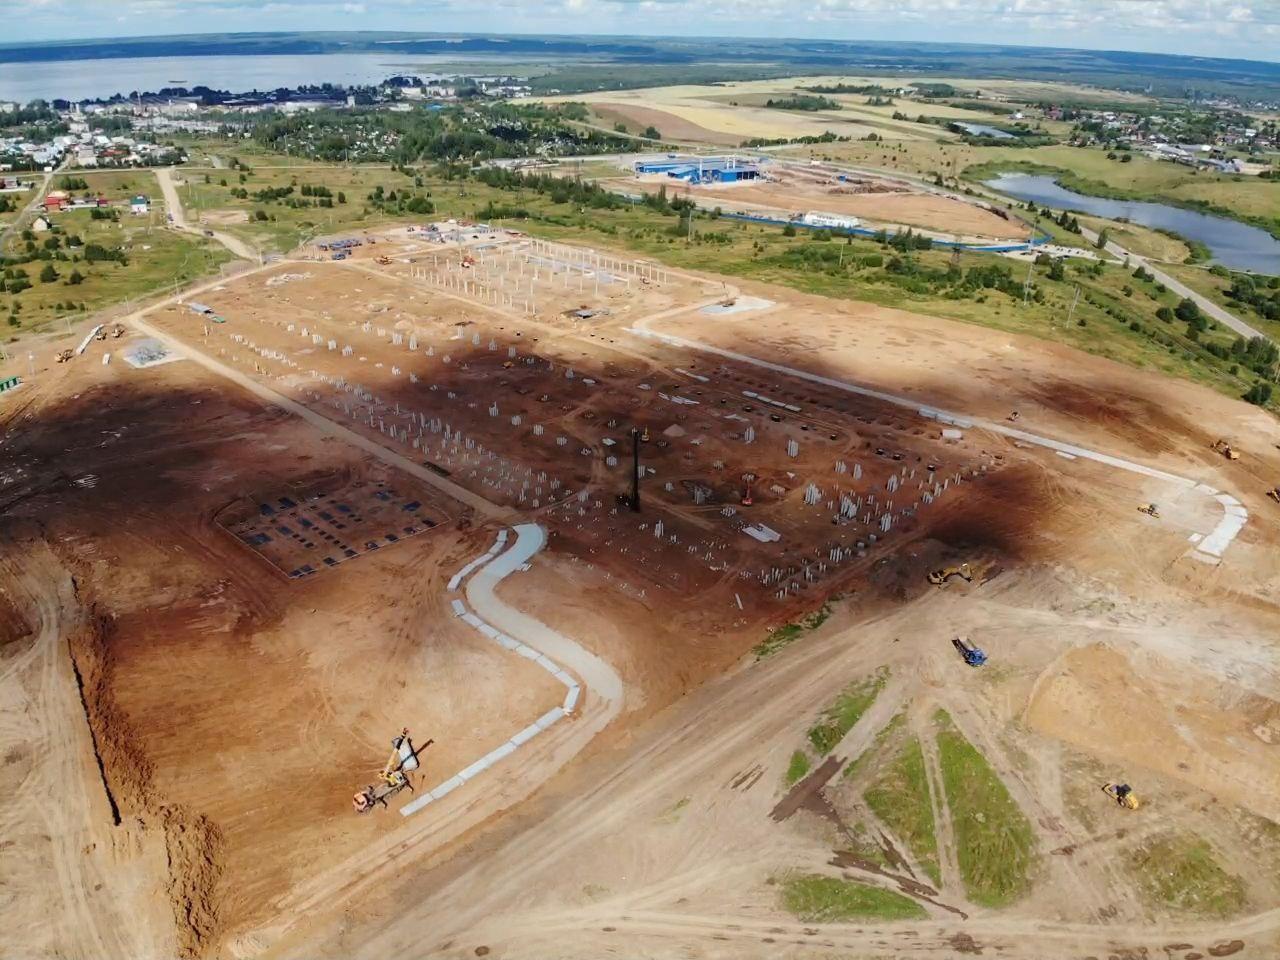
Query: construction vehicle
[(65, 355), (939, 577), (468, 260), (384, 261), (1122, 794), (1224, 448), (101, 334), (117, 331), (508, 364), (1151, 510), (394, 776), (1274, 494), (644, 435), (746, 491), (973, 656)]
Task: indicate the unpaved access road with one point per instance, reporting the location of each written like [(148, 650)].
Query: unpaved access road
[(164, 175)]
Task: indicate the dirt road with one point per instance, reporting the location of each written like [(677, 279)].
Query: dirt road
[(164, 175)]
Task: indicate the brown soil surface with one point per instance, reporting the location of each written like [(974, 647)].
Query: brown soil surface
[(669, 125), (185, 724)]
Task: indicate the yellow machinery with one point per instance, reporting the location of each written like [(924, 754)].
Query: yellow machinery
[(1122, 794), (1274, 494), (384, 261), (1224, 448), (394, 776), (117, 331), (64, 356), (940, 577), (1150, 509)]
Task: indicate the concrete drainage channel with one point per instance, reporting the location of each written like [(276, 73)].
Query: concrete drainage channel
[(530, 538), (1207, 548)]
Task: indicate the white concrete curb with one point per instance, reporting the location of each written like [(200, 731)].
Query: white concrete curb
[(572, 692)]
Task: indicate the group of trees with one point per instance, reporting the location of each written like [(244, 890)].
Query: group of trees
[(803, 102)]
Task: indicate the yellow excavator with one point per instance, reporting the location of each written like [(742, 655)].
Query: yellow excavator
[(394, 776), (1274, 494), (1224, 448), (939, 577), (1122, 794), (1150, 509)]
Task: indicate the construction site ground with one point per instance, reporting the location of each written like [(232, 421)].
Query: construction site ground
[(793, 189), (186, 722)]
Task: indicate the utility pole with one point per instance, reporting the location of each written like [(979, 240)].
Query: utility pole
[(1074, 301)]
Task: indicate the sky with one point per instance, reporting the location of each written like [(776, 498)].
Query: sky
[(1219, 28)]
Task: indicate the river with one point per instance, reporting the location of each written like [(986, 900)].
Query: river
[(85, 79), (1232, 243)]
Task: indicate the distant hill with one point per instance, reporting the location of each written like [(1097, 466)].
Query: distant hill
[(1165, 75)]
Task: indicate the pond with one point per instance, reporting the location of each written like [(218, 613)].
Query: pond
[(983, 130), (1233, 244)]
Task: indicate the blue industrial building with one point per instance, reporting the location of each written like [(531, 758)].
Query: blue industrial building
[(702, 169)]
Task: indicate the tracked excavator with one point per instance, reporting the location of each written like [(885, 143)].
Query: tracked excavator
[(394, 776), (1122, 794), (1224, 448), (940, 577), (1150, 509)]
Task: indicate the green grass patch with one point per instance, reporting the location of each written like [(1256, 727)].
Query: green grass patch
[(1180, 872), (789, 633), (995, 845), (797, 768), (899, 795), (839, 718), (863, 760), (812, 898)]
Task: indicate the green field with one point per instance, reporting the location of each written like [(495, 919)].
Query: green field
[(995, 846), (899, 795), (207, 198), (813, 898), (848, 708), (157, 258), (1181, 873)]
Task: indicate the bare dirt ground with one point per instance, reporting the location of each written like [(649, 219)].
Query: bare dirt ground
[(792, 195), (187, 724), (671, 127)]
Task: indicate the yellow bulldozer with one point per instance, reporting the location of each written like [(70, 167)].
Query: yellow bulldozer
[(1122, 794), (1224, 448), (1150, 509), (940, 577), (65, 355)]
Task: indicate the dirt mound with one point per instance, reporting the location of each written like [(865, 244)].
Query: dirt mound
[(192, 842)]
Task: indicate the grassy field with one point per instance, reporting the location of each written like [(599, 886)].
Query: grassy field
[(1141, 240), (207, 196), (995, 846), (797, 767), (899, 795), (1180, 872), (156, 258), (813, 898), (839, 718), (790, 632)]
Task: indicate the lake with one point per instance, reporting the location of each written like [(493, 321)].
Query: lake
[(86, 79), (982, 130), (1233, 244)]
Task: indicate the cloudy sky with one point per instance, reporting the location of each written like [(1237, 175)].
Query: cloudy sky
[(1227, 28)]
